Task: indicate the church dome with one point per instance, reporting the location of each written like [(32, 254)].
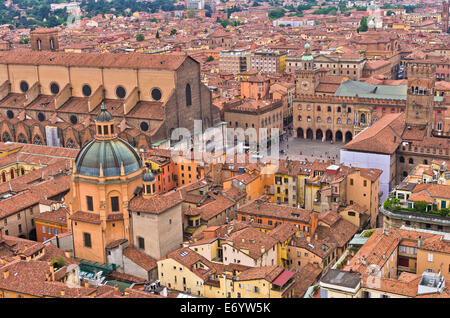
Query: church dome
[(110, 154), (104, 115), (148, 177)]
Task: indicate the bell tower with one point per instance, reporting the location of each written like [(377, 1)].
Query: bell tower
[(44, 39), (445, 15), (307, 77), (420, 96)]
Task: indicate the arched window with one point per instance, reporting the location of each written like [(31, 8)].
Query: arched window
[(22, 139), (6, 137), (363, 118), (329, 109), (3, 176), (339, 109), (299, 118), (188, 95), (309, 118), (338, 120), (319, 120), (329, 120), (411, 160), (12, 173), (37, 140), (70, 143), (349, 121), (318, 108), (402, 159)]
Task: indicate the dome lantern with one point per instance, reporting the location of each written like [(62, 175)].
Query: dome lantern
[(104, 124), (149, 184)]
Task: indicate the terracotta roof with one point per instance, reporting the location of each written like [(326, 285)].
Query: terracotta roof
[(88, 217), (283, 212), (58, 216), (140, 258), (107, 60), (256, 242), (157, 204), (283, 231), (269, 273), (382, 137)]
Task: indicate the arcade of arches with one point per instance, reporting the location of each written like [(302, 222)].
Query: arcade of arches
[(327, 135)]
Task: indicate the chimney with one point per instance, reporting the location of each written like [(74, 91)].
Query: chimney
[(86, 284), (63, 292), (5, 274), (420, 241), (52, 272), (316, 237), (67, 254), (262, 249), (308, 239), (116, 287)]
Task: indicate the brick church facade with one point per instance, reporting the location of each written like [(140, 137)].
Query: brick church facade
[(51, 98)]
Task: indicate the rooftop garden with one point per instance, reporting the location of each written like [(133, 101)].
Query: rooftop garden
[(393, 204)]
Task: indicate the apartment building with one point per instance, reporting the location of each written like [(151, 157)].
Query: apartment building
[(268, 61), (234, 61)]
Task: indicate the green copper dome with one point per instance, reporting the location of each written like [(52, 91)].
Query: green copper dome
[(110, 154), (148, 177), (104, 115)]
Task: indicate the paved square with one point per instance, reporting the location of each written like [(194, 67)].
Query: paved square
[(301, 149)]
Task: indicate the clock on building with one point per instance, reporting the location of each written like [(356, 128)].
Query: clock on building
[(305, 85)]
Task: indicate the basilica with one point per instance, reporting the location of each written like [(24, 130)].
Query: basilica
[(51, 98)]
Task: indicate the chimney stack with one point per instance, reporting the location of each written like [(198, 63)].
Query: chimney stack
[(63, 292), (420, 241), (5, 274)]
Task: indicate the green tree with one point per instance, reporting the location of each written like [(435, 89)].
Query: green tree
[(173, 32), (210, 59), (59, 262), (140, 37), (276, 14), (190, 13), (363, 27), (420, 206), (157, 34)]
